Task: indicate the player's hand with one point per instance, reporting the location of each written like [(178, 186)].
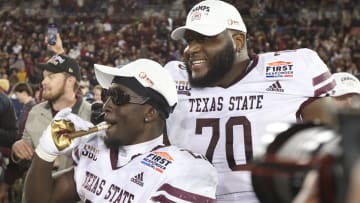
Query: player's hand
[(22, 150), (55, 139)]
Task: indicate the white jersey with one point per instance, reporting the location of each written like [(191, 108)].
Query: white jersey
[(146, 172), (226, 124)]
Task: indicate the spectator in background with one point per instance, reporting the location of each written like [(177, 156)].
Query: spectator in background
[(97, 90), (60, 84), (61, 77), (24, 93), (8, 130), (8, 127), (15, 170), (97, 114)]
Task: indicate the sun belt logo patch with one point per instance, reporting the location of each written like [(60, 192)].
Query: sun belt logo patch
[(279, 69), (183, 87)]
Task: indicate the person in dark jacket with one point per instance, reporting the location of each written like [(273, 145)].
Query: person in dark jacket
[(8, 130), (8, 127)]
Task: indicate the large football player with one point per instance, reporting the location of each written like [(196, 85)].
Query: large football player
[(227, 98)]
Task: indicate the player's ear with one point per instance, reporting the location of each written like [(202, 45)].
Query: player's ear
[(150, 113), (239, 40)]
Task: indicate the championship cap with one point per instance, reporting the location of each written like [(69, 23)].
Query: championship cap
[(209, 18), (346, 83), (148, 74), (62, 63)]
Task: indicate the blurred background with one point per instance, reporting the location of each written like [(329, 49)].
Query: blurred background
[(112, 32)]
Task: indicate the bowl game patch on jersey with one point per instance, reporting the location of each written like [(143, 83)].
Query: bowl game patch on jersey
[(158, 161), (279, 69)]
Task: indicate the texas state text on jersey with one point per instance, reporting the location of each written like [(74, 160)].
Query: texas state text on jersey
[(163, 174)]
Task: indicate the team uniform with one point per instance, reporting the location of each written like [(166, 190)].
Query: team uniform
[(146, 172), (226, 124)]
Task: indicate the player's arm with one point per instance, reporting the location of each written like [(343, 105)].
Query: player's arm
[(319, 107), (41, 187), (319, 110)]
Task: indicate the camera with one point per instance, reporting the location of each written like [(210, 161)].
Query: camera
[(97, 114), (52, 31), (289, 151)]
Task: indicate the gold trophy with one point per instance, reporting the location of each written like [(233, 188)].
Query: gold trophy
[(63, 131)]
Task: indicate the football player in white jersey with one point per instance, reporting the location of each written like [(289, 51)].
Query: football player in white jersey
[(128, 161), (227, 98)]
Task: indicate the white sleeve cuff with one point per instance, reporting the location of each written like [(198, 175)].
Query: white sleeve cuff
[(44, 155)]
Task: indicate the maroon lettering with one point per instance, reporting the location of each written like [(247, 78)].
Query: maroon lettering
[(259, 101), (245, 102), (93, 183), (101, 187), (116, 194), (206, 104)]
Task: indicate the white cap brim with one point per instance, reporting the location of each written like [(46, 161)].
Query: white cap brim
[(207, 30), (106, 74)]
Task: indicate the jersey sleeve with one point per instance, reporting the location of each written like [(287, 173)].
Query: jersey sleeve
[(300, 72), (192, 180), (321, 80)]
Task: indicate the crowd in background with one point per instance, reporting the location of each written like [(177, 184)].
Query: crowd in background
[(113, 32)]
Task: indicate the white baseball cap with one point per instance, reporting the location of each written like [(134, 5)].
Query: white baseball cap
[(346, 83), (147, 72), (209, 18)]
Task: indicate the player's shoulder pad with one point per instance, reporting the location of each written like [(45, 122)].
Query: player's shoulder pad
[(181, 155), (171, 65), (178, 71), (292, 53), (299, 61)]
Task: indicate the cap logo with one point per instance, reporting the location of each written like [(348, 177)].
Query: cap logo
[(347, 78), (196, 16), (71, 70), (143, 76), (233, 22), (201, 8), (196, 12), (56, 59)]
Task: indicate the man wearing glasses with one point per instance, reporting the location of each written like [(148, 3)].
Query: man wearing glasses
[(127, 162)]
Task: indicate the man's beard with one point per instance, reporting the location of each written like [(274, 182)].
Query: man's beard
[(56, 96), (218, 66), (112, 144)]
